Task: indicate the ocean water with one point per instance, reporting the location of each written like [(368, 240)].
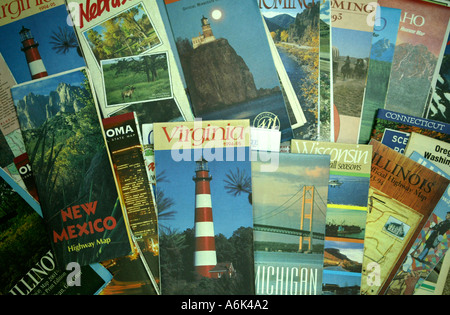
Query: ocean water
[(273, 103)]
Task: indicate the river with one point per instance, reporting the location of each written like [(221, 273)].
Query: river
[(297, 74)]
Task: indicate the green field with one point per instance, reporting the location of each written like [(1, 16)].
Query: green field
[(376, 89), (149, 83)]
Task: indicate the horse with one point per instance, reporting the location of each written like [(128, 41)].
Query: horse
[(360, 68)]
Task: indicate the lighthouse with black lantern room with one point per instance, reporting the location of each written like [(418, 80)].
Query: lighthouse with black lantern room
[(205, 257), (34, 60)]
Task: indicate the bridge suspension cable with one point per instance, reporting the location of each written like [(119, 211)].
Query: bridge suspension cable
[(281, 208)]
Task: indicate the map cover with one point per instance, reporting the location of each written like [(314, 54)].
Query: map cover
[(124, 143), (402, 196), (300, 33), (351, 37), (290, 208), (434, 150), (346, 212), (71, 166), (430, 246), (421, 36), (381, 54), (26, 258), (128, 52), (205, 214), (227, 62), (395, 121), (39, 43), (439, 106)]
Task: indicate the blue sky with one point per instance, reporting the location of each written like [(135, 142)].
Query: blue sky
[(352, 43), (241, 24), (280, 204), (388, 27), (41, 25), (229, 212), (46, 85), (101, 29)]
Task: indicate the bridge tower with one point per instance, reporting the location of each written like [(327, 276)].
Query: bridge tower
[(307, 214), (205, 257)]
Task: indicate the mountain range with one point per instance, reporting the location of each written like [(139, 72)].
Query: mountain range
[(300, 27), (383, 50), (281, 21), (34, 109)]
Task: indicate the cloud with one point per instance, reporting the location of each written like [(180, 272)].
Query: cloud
[(316, 172)]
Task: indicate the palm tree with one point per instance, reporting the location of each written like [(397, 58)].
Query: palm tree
[(163, 203), (239, 182), (63, 40)]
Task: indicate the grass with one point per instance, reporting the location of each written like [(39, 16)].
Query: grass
[(144, 91)]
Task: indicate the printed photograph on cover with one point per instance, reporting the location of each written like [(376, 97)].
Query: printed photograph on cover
[(154, 111), (204, 202), (326, 103), (232, 226), (42, 43), (295, 33), (430, 246), (342, 268), (26, 259), (347, 282), (289, 224), (396, 121), (128, 33), (227, 62), (348, 189), (351, 38), (136, 79), (354, 51), (379, 70), (345, 234), (68, 156), (439, 107), (421, 36), (38, 42), (293, 106), (402, 196), (345, 222)]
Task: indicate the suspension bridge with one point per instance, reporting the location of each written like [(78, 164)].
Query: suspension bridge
[(309, 203)]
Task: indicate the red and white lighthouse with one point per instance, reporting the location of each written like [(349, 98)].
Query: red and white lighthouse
[(205, 257), (34, 60)]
